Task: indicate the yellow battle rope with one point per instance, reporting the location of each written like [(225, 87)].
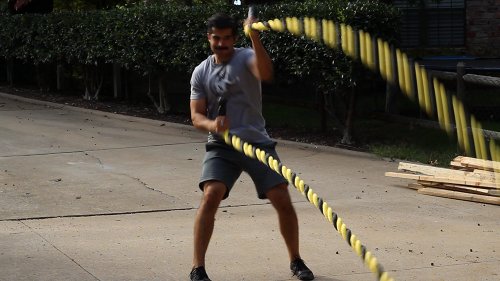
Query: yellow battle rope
[(251, 151), (396, 68)]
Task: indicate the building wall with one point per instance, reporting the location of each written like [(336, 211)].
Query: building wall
[(483, 27)]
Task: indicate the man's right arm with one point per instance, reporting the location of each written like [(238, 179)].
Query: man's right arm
[(261, 65)]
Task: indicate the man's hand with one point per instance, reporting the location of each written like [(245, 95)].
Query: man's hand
[(202, 122), (253, 34), (220, 124)]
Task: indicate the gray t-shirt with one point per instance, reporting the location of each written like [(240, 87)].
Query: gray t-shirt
[(235, 82)]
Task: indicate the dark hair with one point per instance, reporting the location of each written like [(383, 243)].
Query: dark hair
[(221, 21)]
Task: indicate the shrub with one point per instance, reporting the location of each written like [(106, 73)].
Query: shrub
[(171, 37)]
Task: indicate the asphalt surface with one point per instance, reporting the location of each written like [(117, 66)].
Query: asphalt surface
[(87, 195)]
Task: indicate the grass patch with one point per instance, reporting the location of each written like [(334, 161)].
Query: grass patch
[(414, 153), (407, 141)]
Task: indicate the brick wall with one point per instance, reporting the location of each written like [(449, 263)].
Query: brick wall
[(483, 27)]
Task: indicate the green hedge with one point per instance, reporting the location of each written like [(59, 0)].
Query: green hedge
[(172, 37)]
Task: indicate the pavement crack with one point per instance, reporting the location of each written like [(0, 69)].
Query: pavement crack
[(100, 149), (127, 212), (99, 214), (148, 187), (144, 184), (244, 205), (96, 158), (131, 177), (60, 251)]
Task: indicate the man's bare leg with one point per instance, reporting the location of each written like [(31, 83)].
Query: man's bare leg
[(289, 227), (205, 218)]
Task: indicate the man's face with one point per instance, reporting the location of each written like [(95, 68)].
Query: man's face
[(222, 43)]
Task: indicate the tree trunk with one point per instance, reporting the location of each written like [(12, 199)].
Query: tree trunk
[(162, 105), (60, 77), (392, 89), (163, 94), (322, 108), (391, 99), (43, 76), (88, 84), (94, 79), (330, 110), (150, 95), (347, 138), (125, 75), (9, 68), (117, 81)]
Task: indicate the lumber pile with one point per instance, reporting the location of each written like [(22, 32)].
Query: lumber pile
[(469, 179)]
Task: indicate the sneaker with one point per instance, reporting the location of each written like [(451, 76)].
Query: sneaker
[(299, 269), (199, 274)]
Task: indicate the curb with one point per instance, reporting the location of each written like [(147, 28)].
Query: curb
[(153, 122), (99, 112)]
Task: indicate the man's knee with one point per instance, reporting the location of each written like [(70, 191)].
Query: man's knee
[(279, 192), (280, 198), (213, 193)]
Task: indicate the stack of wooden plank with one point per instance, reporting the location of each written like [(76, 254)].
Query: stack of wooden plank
[(468, 179)]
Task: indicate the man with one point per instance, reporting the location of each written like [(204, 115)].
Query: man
[(232, 75)]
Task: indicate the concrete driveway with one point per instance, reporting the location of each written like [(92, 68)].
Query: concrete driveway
[(87, 195)]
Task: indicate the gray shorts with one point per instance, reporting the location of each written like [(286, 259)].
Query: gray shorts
[(223, 163)]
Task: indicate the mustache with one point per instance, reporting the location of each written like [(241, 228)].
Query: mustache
[(221, 48)]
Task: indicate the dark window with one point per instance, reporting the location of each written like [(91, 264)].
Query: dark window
[(431, 23)]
